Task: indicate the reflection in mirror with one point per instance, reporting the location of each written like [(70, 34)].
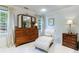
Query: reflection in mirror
[(26, 21)]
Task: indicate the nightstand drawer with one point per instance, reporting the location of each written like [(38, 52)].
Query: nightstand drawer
[(69, 45), (70, 41)]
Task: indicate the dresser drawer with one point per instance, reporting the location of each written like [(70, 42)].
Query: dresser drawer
[(25, 35), (70, 40), (70, 45)]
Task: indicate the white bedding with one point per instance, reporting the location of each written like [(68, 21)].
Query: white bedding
[(43, 42)]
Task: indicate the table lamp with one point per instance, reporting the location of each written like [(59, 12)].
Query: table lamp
[(70, 23)]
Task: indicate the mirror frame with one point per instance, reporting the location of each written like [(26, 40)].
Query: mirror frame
[(33, 20)]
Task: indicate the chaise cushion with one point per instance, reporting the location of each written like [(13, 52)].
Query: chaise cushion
[(43, 42)]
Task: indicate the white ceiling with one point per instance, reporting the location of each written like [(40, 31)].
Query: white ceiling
[(50, 8)]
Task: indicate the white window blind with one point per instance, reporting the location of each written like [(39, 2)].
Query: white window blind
[(3, 19)]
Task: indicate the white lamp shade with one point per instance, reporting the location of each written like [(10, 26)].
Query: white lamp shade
[(70, 22), (36, 24)]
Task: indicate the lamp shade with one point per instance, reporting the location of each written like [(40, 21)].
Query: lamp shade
[(70, 22), (36, 24)]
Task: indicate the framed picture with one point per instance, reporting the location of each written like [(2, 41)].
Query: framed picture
[(51, 21)]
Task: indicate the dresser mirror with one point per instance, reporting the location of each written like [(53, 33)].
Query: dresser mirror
[(25, 21)]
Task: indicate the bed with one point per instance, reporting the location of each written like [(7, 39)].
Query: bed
[(45, 41)]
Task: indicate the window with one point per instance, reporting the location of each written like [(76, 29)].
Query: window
[(40, 24), (3, 19)]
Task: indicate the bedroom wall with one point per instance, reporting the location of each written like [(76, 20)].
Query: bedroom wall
[(61, 17)]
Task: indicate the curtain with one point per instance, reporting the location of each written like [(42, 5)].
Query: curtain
[(11, 29)]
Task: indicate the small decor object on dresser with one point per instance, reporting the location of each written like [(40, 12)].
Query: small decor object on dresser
[(70, 40)]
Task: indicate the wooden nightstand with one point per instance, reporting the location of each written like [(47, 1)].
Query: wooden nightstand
[(70, 40)]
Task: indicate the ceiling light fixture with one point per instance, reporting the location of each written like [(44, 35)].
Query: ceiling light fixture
[(26, 10), (43, 10)]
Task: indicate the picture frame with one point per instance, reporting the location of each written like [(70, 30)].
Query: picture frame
[(51, 21)]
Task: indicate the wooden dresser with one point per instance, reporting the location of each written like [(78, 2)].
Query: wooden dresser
[(70, 40), (24, 35)]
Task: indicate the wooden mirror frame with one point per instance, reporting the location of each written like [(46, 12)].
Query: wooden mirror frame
[(33, 20)]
